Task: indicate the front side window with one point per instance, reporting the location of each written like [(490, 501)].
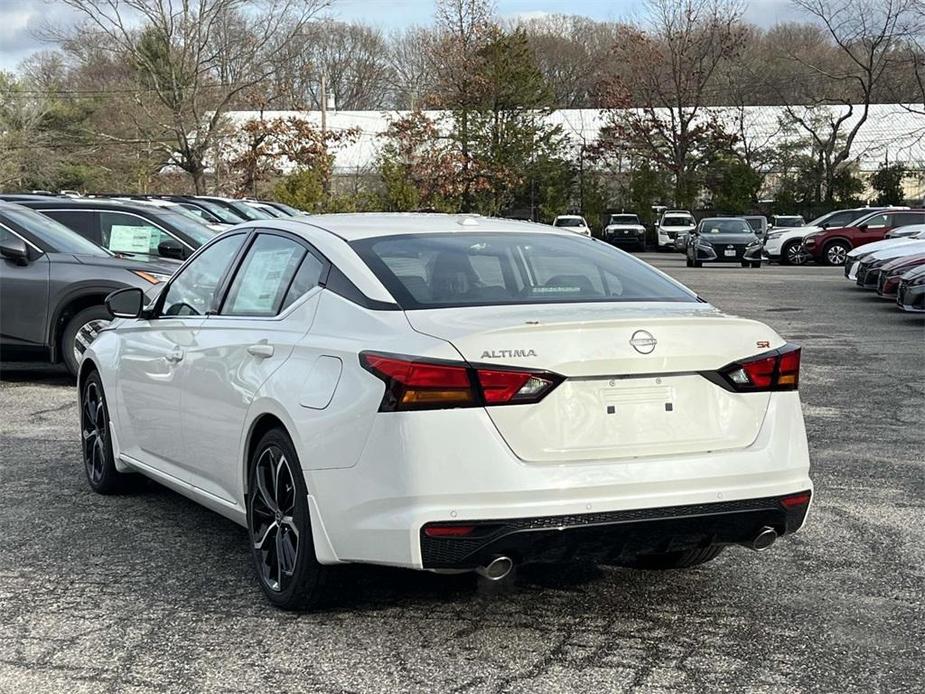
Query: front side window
[(192, 291), (477, 269), (261, 284), (877, 221), (127, 233)]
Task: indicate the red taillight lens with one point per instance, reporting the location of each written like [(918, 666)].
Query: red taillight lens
[(793, 501), (777, 370), (419, 384)]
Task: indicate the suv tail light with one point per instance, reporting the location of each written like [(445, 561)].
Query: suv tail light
[(771, 371), (417, 383)]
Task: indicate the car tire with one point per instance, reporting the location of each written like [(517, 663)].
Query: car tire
[(96, 440), (684, 559), (279, 526), (757, 265), (689, 262), (745, 263), (85, 324), (790, 254), (698, 263), (835, 253)]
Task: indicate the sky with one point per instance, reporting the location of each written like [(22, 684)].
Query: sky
[(21, 21)]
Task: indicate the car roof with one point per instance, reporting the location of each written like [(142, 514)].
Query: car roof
[(97, 203), (361, 225)]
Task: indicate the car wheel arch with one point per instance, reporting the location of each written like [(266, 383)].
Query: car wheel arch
[(266, 419), (70, 306)]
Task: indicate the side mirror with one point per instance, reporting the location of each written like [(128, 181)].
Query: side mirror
[(171, 248), (125, 303), (14, 249)]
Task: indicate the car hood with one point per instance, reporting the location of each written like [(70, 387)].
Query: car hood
[(139, 262), (671, 227), (715, 239), (625, 226), (904, 263), (870, 248), (897, 251)]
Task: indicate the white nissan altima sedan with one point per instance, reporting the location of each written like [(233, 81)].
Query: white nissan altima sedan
[(446, 393)]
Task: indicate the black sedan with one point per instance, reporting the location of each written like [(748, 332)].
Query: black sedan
[(724, 240)]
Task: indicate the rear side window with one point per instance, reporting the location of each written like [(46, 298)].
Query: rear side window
[(263, 280), (84, 222), (478, 269), (901, 219)]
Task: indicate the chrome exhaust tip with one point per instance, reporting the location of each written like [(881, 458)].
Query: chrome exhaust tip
[(496, 569), (764, 539)]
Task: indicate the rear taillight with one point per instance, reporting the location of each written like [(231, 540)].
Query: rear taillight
[(775, 370), (415, 383)]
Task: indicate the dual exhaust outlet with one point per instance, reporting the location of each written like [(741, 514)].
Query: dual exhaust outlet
[(500, 567)]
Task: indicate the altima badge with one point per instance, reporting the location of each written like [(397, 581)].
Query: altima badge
[(643, 342), (507, 353)]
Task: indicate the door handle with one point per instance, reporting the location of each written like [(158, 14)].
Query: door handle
[(174, 357), (261, 350)]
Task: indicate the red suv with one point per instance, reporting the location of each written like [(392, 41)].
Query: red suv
[(830, 246)]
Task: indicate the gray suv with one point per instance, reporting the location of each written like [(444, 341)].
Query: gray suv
[(52, 286)]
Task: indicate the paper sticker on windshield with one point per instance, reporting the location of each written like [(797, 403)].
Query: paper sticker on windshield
[(130, 239)]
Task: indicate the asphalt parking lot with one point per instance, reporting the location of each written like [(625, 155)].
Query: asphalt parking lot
[(150, 592)]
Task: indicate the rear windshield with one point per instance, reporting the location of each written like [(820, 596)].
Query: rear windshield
[(478, 269), (569, 222), (624, 219), (724, 226), (677, 221)]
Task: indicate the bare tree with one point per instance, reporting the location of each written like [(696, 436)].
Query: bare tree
[(351, 58), (194, 60), (410, 75), (659, 93), (840, 79)]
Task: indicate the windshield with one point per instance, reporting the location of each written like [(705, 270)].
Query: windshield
[(54, 235), (249, 212), (478, 269), (724, 226), (220, 211), (190, 226), (756, 223), (677, 221), (789, 221), (839, 219), (293, 212), (569, 222), (624, 219)]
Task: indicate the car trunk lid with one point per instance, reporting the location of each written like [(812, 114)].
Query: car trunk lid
[(618, 400)]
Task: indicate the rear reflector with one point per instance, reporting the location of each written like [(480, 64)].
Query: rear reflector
[(448, 530), (796, 500), (776, 370), (416, 383)]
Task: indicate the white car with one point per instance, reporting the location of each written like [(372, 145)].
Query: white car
[(673, 225), (855, 255), (572, 222), (625, 229), (786, 245), (446, 393)]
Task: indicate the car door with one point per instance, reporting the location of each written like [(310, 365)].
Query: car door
[(269, 305), (874, 229), (153, 361), (24, 297)]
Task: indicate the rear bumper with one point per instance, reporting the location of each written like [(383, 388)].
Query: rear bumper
[(607, 536)]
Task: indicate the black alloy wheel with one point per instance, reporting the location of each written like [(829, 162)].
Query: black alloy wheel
[(280, 528), (96, 443)]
